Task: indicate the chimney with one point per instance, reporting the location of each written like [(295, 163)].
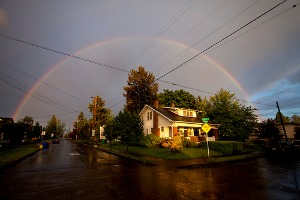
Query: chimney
[(155, 104), (155, 119), (172, 105)]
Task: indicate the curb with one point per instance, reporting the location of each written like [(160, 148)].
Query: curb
[(18, 160)]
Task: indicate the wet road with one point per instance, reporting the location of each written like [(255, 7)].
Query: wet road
[(67, 171)]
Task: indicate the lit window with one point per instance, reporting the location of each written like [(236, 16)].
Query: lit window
[(184, 113)]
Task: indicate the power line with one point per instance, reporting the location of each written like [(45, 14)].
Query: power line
[(66, 93), (166, 27), (22, 87), (218, 42), (61, 52), (273, 17), (215, 30), (190, 30)]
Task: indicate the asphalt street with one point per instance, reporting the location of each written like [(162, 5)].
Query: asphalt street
[(69, 171)]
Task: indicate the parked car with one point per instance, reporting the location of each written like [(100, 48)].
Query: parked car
[(280, 147), (55, 141), (296, 146)]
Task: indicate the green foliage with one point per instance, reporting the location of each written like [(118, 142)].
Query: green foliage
[(100, 114), (285, 119), (226, 147), (269, 129), (110, 132), (187, 143), (150, 141), (82, 127), (173, 145), (236, 121), (180, 98), (129, 127), (55, 127), (141, 90), (36, 131), (26, 120), (295, 119)]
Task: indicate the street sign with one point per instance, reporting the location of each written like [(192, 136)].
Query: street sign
[(205, 120), (206, 128)]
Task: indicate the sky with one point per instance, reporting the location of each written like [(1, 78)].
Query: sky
[(56, 55)]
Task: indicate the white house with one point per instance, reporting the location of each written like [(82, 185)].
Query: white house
[(171, 121)]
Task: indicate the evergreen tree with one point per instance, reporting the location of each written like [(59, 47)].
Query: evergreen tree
[(129, 126), (141, 90)]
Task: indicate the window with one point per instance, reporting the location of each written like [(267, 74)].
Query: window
[(162, 129), (184, 113), (149, 115)]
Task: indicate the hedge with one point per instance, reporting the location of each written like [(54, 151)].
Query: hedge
[(226, 147)]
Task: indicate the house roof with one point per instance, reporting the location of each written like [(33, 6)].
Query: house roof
[(174, 117)]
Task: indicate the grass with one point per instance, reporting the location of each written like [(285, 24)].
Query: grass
[(12, 155), (184, 154)]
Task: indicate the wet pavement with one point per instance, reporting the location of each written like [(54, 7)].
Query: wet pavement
[(69, 171)]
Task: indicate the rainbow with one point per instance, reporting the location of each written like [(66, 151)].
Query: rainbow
[(52, 69)]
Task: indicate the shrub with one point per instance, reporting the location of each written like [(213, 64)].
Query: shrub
[(226, 147), (174, 145), (186, 142), (189, 143), (150, 141)]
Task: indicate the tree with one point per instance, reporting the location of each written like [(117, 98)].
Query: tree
[(236, 121), (110, 131), (269, 129), (82, 127), (295, 119), (26, 120), (129, 126), (201, 105), (36, 131), (285, 119), (180, 98), (141, 90), (99, 112), (54, 128)]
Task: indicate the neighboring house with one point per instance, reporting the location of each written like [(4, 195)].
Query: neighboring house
[(5, 120), (170, 121), (289, 129)]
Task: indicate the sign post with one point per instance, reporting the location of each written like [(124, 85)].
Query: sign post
[(206, 128)]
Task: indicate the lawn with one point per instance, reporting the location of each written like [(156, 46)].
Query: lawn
[(12, 155), (184, 154)]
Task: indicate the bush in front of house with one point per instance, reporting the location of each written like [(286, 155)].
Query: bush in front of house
[(226, 147), (173, 145), (150, 141), (188, 143)]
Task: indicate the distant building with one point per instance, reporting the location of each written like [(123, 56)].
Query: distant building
[(5, 120), (289, 128)]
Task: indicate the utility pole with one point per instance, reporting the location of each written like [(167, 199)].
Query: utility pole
[(94, 111), (281, 121)]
